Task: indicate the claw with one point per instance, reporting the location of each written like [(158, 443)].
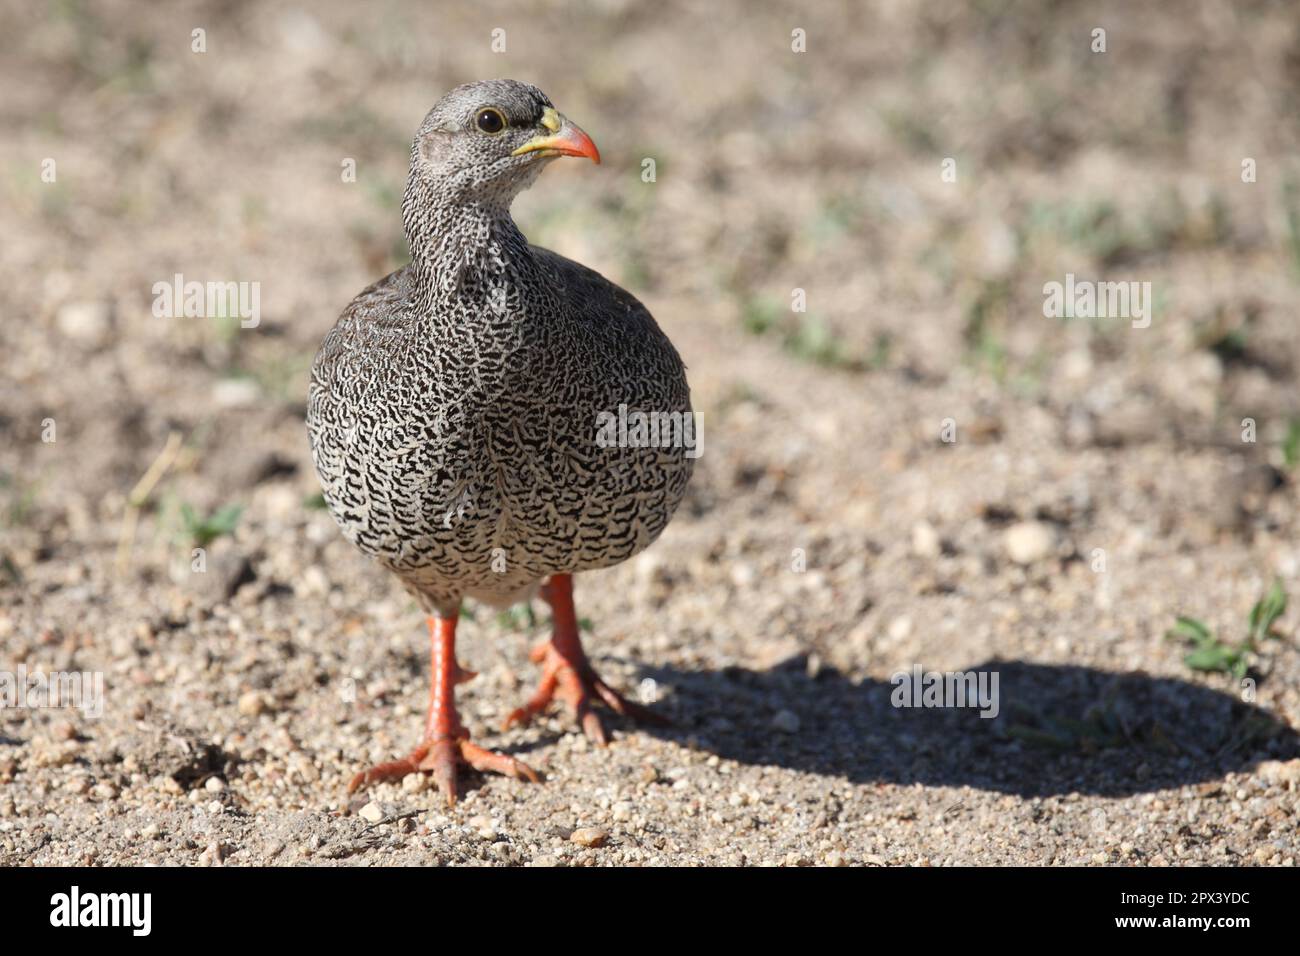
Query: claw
[(441, 764), (393, 770), (567, 674), (488, 761), (592, 727), (577, 685), (446, 743), (440, 759)]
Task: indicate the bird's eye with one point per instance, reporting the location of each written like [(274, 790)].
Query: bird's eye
[(490, 121)]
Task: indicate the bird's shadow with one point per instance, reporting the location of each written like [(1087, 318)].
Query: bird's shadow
[(1058, 729)]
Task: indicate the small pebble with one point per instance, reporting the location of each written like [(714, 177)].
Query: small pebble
[(589, 836), (212, 856), (371, 813), (1028, 542), (900, 628), (105, 791), (85, 321), (925, 540), (786, 721)]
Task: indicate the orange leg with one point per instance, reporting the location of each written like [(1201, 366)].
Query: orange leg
[(568, 675), (446, 743)]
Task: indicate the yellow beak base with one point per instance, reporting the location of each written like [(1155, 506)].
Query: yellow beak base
[(566, 139)]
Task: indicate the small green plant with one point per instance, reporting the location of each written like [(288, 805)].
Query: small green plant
[(1291, 205), (1098, 730), (282, 376), (881, 348), (835, 217), (517, 617), (521, 616), (1098, 228), (19, 501), (985, 314), (1099, 727), (1291, 444), (813, 340), (314, 502), (808, 338), (760, 315), (1209, 653), (386, 194), (1266, 612), (203, 531), (399, 252)]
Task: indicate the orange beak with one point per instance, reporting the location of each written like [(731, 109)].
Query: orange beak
[(567, 139)]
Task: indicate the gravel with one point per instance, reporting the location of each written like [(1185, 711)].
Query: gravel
[(1098, 485)]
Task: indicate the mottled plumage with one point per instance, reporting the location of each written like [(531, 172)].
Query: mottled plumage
[(453, 408)]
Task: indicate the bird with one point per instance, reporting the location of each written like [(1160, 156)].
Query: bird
[(454, 418)]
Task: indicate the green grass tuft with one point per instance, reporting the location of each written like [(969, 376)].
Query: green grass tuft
[(202, 531)]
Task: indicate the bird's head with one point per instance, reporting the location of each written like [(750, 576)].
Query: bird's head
[(488, 141)]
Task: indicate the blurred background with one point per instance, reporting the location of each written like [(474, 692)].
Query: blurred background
[(1102, 481)]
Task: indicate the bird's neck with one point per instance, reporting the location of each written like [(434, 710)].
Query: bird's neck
[(465, 250)]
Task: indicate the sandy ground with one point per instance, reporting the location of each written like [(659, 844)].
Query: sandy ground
[(1098, 485)]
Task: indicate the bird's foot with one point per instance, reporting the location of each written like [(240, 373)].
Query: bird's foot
[(570, 677), (441, 757)]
